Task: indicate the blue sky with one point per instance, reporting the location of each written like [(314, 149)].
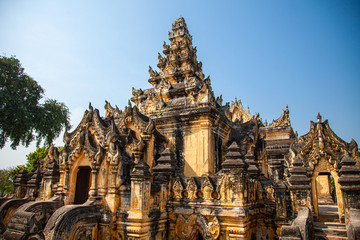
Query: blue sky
[(269, 54)]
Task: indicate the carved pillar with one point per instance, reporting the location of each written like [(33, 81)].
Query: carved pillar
[(61, 179), (112, 196), (140, 201), (300, 188), (350, 185), (62, 165), (102, 175), (235, 167), (93, 187), (140, 189), (67, 175), (280, 203)]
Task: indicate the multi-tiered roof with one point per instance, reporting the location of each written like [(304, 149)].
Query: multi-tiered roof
[(180, 62), (180, 81)]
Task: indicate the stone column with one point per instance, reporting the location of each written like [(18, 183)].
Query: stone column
[(93, 187), (235, 167), (112, 196), (300, 188), (140, 202), (350, 185)]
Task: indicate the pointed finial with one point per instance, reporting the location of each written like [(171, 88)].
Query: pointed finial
[(318, 118), (287, 108), (90, 107), (129, 104)]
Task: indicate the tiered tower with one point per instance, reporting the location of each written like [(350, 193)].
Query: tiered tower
[(182, 105)]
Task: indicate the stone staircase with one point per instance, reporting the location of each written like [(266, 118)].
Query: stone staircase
[(330, 230)]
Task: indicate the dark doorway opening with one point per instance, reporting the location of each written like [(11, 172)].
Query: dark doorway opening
[(82, 185), (199, 237)]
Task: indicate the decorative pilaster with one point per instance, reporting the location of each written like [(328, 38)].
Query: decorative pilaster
[(234, 168), (94, 175), (140, 201)]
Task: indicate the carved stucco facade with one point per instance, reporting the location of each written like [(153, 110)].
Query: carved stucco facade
[(179, 164)]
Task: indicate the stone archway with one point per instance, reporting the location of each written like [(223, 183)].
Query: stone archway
[(325, 169), (79, 182)]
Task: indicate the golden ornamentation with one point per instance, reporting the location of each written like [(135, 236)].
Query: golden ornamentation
[(177, 189), (283, 120), (191, 189), (207, 190), (214, 228)]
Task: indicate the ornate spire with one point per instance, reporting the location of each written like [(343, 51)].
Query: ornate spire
[(180, 60), (179, 29), (318, 118)]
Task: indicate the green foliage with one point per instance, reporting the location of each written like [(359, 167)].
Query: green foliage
[(6, 185), (22, 118), (14, 172), (333, 188), (33, 159)]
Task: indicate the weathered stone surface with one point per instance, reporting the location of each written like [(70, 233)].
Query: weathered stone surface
[(181, 164)]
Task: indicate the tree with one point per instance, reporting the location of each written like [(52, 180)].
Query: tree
[(6, 185), (33, 160), (23, 118)]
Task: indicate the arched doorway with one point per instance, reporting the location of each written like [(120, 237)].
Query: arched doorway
[(326, 195), (327, 207), (82, 184)]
